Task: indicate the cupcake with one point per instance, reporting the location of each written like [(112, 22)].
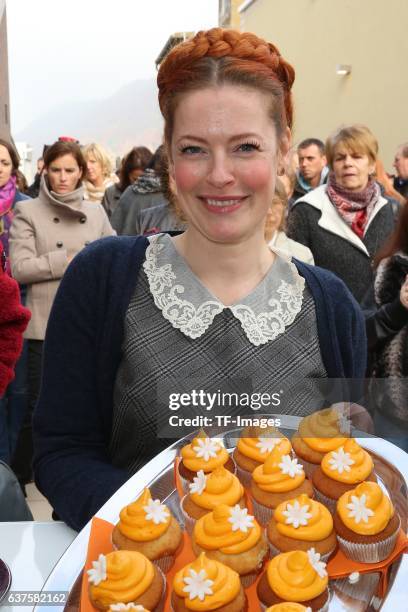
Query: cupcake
[(366, 524), (300, 524), (279, 479), (233, 537), (296, 576), (207, 491), (254, 446), (204, 454), (124, 577), (340, 471), (319, 433), (147, 526), (288, 606), (207, 584)]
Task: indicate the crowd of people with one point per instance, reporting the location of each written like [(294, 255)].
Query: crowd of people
[(241, 258)]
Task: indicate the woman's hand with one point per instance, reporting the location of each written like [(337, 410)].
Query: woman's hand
[(404, 293)]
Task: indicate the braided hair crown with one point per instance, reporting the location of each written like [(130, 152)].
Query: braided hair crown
[(242, 54)]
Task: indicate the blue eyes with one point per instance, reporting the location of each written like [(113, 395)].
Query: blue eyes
[(245, 147)]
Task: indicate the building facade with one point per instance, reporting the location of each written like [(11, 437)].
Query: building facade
[(4, 81), (349, 62)]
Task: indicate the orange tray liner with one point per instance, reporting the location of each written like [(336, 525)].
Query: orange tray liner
[(100, 541)]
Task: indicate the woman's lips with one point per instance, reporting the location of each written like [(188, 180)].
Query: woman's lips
[(222, 204)]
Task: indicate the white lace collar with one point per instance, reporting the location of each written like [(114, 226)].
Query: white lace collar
[(190, 307)]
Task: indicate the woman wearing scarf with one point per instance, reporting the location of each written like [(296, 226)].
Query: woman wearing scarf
[(45, 235), (99, 175), (345, 222), (13, 400)]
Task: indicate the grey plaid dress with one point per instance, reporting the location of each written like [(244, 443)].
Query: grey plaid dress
[(178, 337)]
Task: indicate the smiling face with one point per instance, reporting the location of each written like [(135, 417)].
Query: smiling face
[(64, 174), (352, 169), (224, 156), (6, 166)]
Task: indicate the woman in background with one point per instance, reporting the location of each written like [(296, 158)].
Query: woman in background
[(99, 172), (275, 234), (132, 166), (345, 222), (45, 235), (13, 400), (386, 308)]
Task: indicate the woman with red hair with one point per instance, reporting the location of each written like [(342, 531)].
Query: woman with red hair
[(137, 320)]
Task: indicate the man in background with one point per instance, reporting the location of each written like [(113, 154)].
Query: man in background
[(401, 166), (312, 170)]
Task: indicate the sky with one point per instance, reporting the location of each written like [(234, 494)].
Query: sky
[(74, 50)]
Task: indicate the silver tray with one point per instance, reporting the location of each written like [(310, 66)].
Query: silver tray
[(158, 474)]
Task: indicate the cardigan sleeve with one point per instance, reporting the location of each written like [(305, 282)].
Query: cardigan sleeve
[(71, 427)]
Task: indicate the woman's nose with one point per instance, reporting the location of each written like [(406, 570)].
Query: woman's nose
[(221, 171)]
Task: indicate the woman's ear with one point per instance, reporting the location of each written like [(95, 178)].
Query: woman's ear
[(284, 145)]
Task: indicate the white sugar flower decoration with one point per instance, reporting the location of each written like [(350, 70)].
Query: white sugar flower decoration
[(340, 461), (240, 519), (119, 607), (206, 448), (314, 560), (198, 585), (266, 445), (156, 512), (296, 514), (290, 466), (199, 482), (98, 571), (354, 577), (358, 509)]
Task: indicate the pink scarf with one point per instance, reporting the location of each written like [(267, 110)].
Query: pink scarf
[(7, 195), (354, 208)]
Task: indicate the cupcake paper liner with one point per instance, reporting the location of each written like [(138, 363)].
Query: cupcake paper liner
[(330, 503), (244, 477), (368, 553), (275, 551), (248, 579), (165, 563), (188, 521), (359, 591), (262, 513)]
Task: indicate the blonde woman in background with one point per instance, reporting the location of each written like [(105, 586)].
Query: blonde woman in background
[(275, 234), (99, 172)]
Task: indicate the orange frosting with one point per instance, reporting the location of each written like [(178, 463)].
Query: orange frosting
[(321, 430), (219, 530), (257, 443), (128, 576), (303, 518), (366, 509), (288, 606), (273, 477), (349, 463), (138, 524), (293, 578), (204, 453), (222, 584), (221, 487)]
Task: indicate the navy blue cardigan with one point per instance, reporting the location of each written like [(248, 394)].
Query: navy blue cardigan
[(73, 418)]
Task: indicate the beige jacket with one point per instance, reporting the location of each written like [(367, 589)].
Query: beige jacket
[(46, 233), (291, 247)]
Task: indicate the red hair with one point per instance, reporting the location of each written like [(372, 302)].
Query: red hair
[(217, 57)]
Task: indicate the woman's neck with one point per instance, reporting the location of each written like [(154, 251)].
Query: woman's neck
[(229, 271), (98, 182)]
